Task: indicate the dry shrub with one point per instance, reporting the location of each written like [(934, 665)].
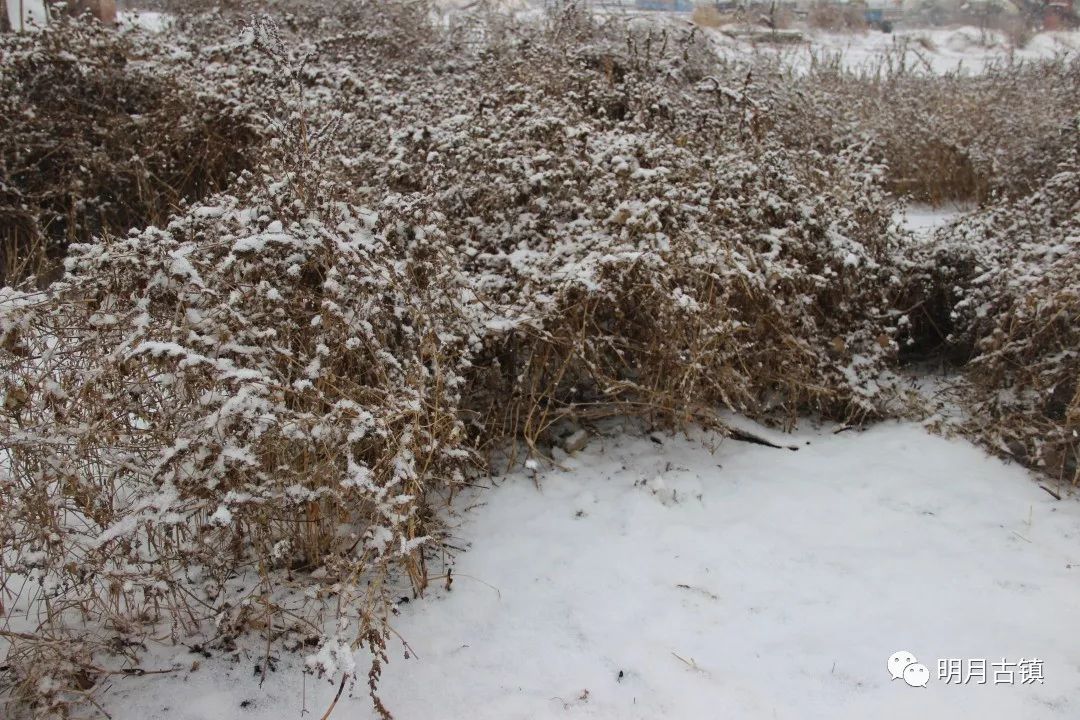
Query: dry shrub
[(708, 16), (836, 18), (943, 138), (92, 141), (235, 429), (280, 390), (1009, 273), (1018, 31), (656, 274), (926, 43)]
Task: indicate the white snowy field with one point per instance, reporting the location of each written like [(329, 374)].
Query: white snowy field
[(945, 49), (657, 576), (964, 49)]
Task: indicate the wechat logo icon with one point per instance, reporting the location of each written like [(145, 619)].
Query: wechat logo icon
[(903, 664)]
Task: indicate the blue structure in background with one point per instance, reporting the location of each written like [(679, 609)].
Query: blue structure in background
[(875, 16), (676, 5)]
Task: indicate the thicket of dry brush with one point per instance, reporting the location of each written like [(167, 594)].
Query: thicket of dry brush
[(951, 137), (96, 137), (234, 429), (1003, 285)]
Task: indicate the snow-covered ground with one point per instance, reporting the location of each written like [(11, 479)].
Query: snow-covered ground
[(145, 19), (945, 49), (922, 220), (939, 50), (672, 577)]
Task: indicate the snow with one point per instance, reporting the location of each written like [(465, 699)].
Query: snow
[(657, 576), (938, 50), (145, 19), (27, 14), (221, 516), (922, 220)]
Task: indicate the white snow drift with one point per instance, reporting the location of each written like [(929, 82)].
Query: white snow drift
[(659, 579)]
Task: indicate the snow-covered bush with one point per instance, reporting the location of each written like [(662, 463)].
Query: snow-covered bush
[(234, 428), (1005, 285), (97, 135), (951, 137), (256, 385), (242, 418)]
